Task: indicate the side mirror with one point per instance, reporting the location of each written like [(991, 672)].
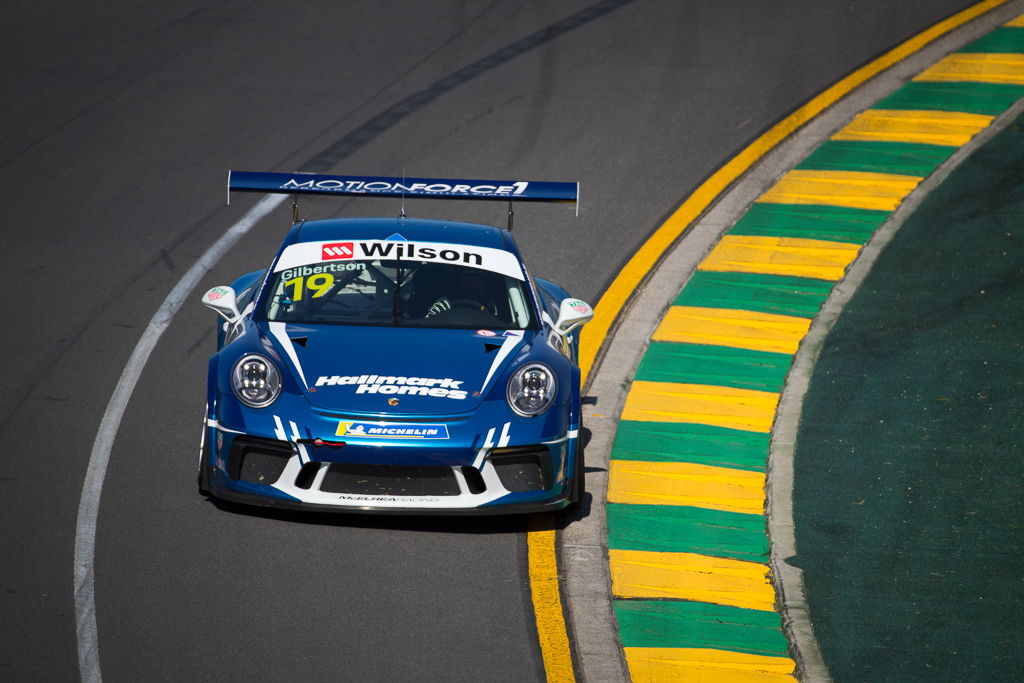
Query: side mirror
[(222, 300), (573, 313)]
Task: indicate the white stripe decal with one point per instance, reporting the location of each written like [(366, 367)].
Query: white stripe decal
[(279, 429), (512, 339), (303, 455), (217, 425), (503, 440), (478, 461), (571, 434), (488, 445), (280, 333)]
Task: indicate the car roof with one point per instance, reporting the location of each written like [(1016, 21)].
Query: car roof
[(412, 229)]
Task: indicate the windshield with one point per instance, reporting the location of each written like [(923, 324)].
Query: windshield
[(397, 292)]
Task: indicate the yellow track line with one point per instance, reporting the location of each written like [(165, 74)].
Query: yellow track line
[(551, 628), (547, 599)]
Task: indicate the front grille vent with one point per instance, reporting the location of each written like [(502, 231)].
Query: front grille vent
[(390, 480), (524, 468), (258, 461)]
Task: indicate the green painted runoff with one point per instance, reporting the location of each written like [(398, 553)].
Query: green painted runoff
[(909, 458)]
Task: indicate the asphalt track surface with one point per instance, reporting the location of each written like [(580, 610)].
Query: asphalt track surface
[(120, 123)]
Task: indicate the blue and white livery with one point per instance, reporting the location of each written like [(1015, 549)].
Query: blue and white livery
[(394, 364)]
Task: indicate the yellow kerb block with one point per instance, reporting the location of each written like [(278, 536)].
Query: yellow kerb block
[(794, 256), (983, 68), (642, 482), (689, 576), (733, 328), (682, 483), (648, 664), (948, 128), (745, 409), (852, 189)]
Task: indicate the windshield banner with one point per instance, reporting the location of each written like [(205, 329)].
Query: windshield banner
[(342, 253)]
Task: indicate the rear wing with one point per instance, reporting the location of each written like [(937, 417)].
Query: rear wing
[(376, 186)]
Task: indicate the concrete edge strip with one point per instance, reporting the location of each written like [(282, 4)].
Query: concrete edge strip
[(789, 578), (584, 544)]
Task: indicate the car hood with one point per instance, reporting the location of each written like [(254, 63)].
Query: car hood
[(356, 369)]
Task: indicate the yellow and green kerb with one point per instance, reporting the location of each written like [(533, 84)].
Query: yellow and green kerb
[(688, 549)]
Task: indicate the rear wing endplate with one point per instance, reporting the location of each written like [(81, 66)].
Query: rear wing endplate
[(376, 186)]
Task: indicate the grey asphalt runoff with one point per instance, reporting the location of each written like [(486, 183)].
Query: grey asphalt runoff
[(113, 161)]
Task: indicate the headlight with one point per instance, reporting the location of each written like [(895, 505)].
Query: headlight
[(256, 381), (531, 389)]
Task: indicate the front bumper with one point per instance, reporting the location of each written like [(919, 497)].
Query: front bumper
[(486, 475), (234, 496)]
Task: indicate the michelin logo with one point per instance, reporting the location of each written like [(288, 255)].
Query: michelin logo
[(408, 386), (392, 430)]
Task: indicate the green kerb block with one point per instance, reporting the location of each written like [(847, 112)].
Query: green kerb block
[(681, 623), (810, 221), (693, 443), (969, 97), (1004, 40), (877, 157), (777, 294), (714, 365), (683, 529)]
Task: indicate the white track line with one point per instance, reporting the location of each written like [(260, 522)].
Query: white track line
[(92, 488)]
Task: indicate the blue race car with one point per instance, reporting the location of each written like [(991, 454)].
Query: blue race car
[(394, 364)]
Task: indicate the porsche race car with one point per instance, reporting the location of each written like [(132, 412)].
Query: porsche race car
[(395, 364)]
